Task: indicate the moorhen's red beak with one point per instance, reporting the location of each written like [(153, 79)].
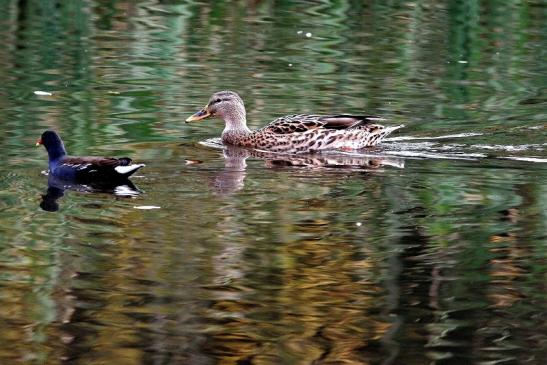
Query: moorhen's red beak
[(39, 142)]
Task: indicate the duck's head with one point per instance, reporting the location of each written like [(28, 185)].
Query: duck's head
[(53, 144), (226, 105)]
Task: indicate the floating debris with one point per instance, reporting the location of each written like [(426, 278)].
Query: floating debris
[(193, 162), (307, 34), (462, 61), (42, 93), (146, 207)]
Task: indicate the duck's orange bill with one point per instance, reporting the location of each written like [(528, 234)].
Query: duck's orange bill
[(39, 142), (202, 114)]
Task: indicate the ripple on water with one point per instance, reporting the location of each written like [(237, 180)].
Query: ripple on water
[(527, 159), (431, 148)]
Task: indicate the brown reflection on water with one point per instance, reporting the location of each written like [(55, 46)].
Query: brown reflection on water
[(311, 300), (505, 270)]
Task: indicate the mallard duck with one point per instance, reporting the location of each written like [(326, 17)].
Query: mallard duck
[(298, 133), (83, 169)]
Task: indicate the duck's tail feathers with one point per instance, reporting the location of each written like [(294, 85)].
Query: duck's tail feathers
[(388, 130), (384, 132), (129, 170)]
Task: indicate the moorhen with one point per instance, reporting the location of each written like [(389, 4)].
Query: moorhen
[(86, 168)]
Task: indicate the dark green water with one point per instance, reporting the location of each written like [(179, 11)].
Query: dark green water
[(431, 249)]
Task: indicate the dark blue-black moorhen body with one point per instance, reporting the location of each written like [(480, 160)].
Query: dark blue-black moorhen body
[(84, 169)]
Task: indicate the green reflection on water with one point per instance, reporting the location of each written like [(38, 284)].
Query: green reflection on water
[(252, 260)]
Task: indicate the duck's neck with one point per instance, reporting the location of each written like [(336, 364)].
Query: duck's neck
[(236, 126)]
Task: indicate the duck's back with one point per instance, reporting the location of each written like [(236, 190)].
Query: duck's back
[(311, 132)]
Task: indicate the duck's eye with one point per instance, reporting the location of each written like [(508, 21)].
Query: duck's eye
[(218, 101)]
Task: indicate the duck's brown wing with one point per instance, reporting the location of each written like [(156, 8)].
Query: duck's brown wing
[(304, 122)]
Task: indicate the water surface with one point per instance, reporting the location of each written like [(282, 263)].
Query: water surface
[(430, 248)]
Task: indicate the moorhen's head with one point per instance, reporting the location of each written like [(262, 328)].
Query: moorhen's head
[(53, 144)]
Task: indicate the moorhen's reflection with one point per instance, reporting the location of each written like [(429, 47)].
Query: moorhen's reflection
[(56, 190), (49, 199), (231, 179)]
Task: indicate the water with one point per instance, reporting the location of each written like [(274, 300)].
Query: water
[(429, 249)]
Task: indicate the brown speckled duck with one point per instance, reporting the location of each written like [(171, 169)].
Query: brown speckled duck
[(299, 133)]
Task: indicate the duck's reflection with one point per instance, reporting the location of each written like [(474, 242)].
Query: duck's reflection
[(231, 179), (56, 190)]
